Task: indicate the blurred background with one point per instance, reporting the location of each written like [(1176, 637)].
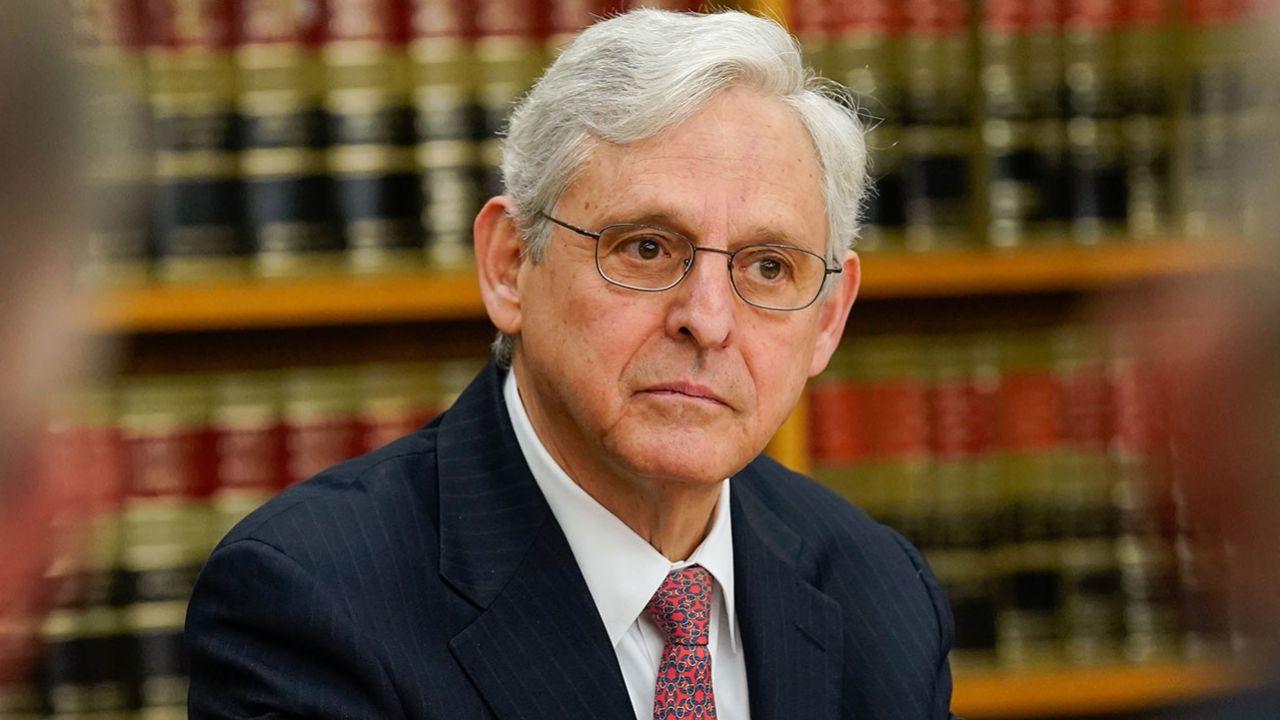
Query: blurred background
[(278, 277)]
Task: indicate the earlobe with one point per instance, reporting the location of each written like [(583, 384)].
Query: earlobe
[(834, 313), (499, 254)]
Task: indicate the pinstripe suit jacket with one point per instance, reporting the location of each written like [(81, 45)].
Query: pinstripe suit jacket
[(429, 579)]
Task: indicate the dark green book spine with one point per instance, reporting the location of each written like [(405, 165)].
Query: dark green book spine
[(166, 528)]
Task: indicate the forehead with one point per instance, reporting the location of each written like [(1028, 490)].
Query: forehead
[(742, 168)]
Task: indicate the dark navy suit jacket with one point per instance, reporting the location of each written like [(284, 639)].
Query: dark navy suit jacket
[(429, 579)]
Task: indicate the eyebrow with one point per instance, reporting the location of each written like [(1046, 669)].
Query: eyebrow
[(671, 221)]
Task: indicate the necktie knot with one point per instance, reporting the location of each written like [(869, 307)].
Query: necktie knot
[(682, 606)]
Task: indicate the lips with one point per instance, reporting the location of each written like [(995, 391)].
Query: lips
[(689, 390)]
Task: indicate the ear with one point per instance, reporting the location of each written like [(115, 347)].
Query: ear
[(499, 254), (834, 312)]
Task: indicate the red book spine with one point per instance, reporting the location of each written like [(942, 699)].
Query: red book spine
[(567, 17), (1144, 492), (249, 442), (166, 529), (840, 435), (397, 400), (961, 432), (1028, 615), (677, 5), (84, 627), (322, 423), (897, 385)]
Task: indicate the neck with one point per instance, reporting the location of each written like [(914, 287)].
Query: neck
[(674, 518)]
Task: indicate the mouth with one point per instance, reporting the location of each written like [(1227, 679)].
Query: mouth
[(682, 390)]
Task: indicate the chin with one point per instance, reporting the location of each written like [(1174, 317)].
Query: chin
[(682, 459)]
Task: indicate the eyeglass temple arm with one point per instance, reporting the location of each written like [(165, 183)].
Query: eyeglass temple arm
[(567, 226)]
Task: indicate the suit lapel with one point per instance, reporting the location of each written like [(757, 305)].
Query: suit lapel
[(792, 633), (537, 648)]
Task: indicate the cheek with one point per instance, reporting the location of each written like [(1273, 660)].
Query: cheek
[(778, 367)]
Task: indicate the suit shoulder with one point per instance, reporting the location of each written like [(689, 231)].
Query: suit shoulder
[(344, 499), (835, 532), (807, 506), (853, 558)]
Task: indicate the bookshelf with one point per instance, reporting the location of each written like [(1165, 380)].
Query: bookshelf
[(455, 296), (212, 314)]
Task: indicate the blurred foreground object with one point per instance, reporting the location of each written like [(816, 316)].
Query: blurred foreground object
[(40, 226), (1220, 353)]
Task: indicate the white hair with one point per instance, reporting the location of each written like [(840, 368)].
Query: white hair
[(628, 78)]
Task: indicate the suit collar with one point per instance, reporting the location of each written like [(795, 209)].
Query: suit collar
[(792, 633), (537, 648), (490, 507)]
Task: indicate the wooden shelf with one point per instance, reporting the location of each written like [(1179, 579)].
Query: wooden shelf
[(1073, 693), (973, 272), (324, 301), (367, 300)]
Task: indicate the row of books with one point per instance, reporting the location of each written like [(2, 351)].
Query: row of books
[(271, 138), (1035, 471), (1019, 122), (175, 462)]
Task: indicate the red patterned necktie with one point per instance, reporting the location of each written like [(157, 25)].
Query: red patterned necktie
[(682, 610)]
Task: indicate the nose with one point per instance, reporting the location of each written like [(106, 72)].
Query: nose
[(703, 304)]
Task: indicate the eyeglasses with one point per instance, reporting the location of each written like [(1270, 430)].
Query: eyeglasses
[(650, 258)]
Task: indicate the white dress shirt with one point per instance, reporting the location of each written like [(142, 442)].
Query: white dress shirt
[(623, 571)]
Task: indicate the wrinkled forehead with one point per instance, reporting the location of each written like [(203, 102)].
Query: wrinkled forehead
[(743, 168)]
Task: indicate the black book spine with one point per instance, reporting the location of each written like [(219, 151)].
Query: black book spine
[(111, 49), (937, 134), (288, 191), (448, 127), (165, 530), (1099, 179), (369, 113), (198, 214)]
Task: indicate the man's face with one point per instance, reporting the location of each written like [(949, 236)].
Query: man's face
[(691, 383)]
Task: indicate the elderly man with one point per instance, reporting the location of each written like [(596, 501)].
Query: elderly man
[(590, 531)]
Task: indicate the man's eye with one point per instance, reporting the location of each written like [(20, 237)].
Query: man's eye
[(645, 248), (770, 269)]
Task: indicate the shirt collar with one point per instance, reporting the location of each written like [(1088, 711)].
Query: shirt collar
[(622, 570)]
